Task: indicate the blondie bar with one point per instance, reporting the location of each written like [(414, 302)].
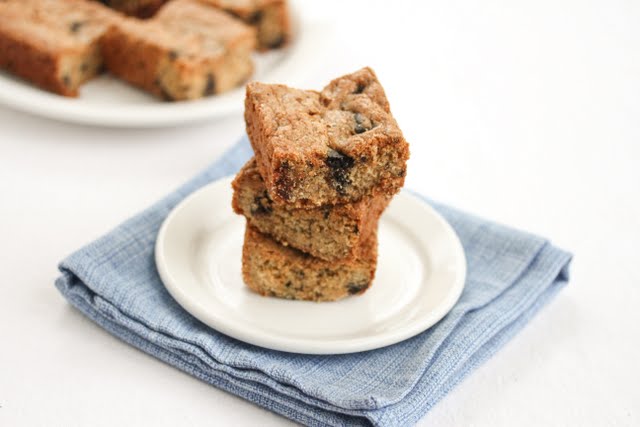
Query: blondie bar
[(330, 147), (187, 51), (329, 232), (53, 43), (269, 17), (275, 270)]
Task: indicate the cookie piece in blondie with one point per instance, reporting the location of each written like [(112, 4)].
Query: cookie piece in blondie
[(330, 147), (139, 8), (188, 50), (269, 17), (281, 271), (328, 232), (53, 43)]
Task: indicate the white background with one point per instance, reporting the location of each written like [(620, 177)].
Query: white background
[(524, 112)]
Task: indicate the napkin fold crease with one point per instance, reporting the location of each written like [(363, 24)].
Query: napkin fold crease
[(510, 276)]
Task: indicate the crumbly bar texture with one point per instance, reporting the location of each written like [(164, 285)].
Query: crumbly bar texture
[(53, 43), (271, 269), (188, 50), (329, 232), (330, 147), (138, 8), (269, 17)]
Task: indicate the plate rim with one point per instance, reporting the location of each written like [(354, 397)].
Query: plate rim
[(231, 328)]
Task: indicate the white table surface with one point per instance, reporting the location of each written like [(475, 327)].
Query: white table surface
[(524, 112)]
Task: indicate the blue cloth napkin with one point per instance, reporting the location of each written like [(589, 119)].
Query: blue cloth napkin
[(511, 275)]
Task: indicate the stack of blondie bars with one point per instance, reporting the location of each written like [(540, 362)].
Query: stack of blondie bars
[(325, 168)]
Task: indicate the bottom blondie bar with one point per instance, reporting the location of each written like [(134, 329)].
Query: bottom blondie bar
[(271, 269)]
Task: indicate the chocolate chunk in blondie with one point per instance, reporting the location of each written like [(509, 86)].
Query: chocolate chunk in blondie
[(138, 8)]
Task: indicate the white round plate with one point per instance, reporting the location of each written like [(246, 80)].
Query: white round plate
[(106, 101), (420, 276)]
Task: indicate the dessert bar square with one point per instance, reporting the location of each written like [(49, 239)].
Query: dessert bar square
[(53, 43), (275, 270), (329, 232), (330, 147), (269, 17), (187, 51)]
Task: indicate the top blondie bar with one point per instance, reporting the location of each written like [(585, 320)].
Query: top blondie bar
[(330, 147)]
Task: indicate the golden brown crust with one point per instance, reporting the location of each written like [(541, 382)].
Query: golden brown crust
[(271, 269), (334, 146), (53, 44), (135, 59), (328, 232), (23, 59)]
